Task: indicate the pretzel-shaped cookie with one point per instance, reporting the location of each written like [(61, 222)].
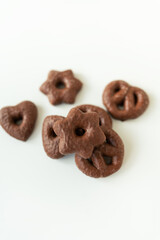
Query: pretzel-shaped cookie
[(106, 159), (124, 101)]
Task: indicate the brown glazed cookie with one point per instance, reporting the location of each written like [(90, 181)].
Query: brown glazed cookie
[(50, 139), (106, 159), (19, 120), (104, 118), (79, 133), (124, 101), (61, 87)]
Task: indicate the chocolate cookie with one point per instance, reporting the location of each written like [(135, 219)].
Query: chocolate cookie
[(61, 87), (19, 121), (49, 137), (79, 133), (106, 159), (124, 101), (104, 118)]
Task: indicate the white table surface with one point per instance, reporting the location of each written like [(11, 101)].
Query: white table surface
[(101, 41)]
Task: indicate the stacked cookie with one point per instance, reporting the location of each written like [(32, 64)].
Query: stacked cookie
[(86, 131)]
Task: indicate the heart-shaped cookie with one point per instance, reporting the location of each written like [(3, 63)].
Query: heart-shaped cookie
[(18, 121)]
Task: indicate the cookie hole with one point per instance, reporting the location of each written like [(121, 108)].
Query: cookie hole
[(107, 159), (90, 161), (111, 142), (17, 120), (100, 123), (117, 89), (60, 84), (120, 106), (135, 99), (79, 132), (52, 133), (108, 141), (83, 111)]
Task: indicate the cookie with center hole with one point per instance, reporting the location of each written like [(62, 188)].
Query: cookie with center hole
[(79, 133), (61, 87), (49, 137), (19, 121)]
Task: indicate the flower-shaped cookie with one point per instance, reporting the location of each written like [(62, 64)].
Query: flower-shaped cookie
[(61, 87), (79, 133)]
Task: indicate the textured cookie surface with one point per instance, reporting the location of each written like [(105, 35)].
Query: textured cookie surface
[(61, 87), (104, 118), (106, 159), (49, 137), (18, 121), (79, 133), (124, 101)]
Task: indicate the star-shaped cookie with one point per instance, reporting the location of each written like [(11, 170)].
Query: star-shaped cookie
[(79, 133), (61, 87)]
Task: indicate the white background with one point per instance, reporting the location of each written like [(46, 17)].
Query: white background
[(101, 41)]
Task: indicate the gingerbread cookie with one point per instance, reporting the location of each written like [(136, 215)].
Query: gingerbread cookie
[(106, 159), (19, 121), (49, 137), (61, 87), (124, 101), (104, 118), (79, 133)]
